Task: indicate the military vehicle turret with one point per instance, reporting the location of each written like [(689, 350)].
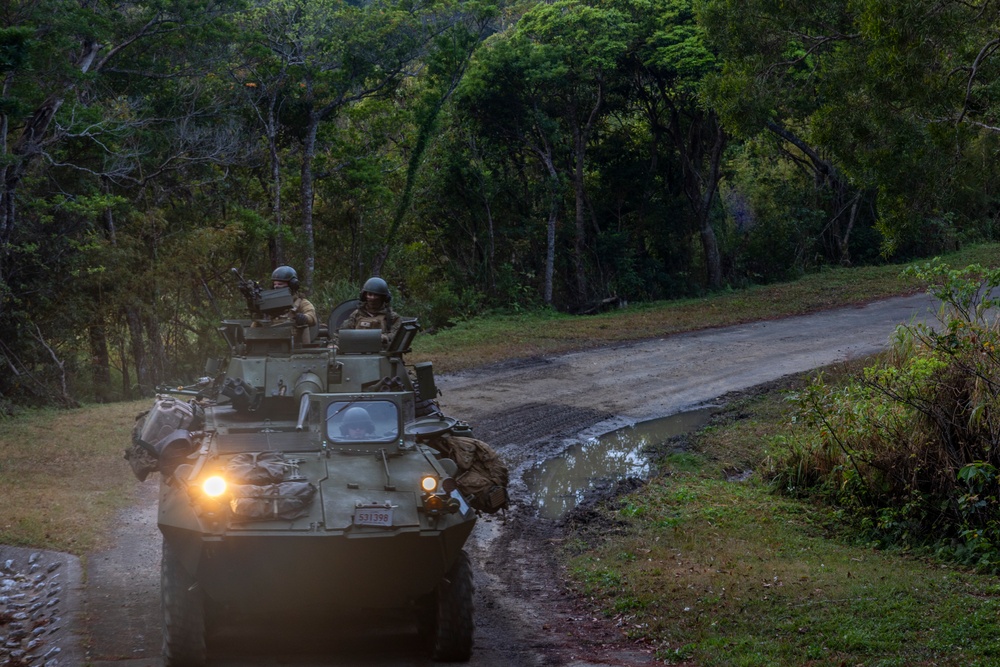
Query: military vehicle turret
[(300, 478)]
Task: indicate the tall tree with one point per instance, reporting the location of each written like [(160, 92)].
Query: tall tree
[(504, 104), (327, 54), (877, 97), (543, 86), (76, 134), (667, 62), (573, 49), (446, 66)]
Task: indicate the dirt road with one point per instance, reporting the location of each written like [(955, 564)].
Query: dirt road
[(530, 410)]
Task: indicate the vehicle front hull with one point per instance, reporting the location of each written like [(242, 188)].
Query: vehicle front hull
[(317, 571)]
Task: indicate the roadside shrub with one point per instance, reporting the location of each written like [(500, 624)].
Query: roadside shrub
[(910, 448)]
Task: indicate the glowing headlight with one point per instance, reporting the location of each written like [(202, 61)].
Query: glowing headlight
[(214, 486), (428, 484)]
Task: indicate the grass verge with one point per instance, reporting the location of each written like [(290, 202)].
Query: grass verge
[(727, 573), (63, 476), (492, 339)]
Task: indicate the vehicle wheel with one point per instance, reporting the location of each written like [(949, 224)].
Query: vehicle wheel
[(183, 614), (451, 637), (427, 407)]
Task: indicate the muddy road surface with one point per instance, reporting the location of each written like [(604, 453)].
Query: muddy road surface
[(530, 410)]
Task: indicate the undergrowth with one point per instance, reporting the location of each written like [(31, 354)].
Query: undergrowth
[(909, 450)]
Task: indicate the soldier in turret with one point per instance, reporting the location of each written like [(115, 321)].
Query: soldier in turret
[(302, 312), (374, 312)]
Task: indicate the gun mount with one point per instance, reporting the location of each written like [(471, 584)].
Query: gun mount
[(264, 303)]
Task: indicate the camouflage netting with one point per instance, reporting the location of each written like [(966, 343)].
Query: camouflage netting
[(260, 491), (482, 476)]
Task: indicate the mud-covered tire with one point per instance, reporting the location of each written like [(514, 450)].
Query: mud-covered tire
[(450, 636), (427, 407), (183, 614)]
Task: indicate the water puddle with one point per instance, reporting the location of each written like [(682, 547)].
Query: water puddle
[(558, 484)]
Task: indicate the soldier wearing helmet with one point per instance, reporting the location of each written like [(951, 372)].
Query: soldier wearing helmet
[(357, 424), (302, 312), (374, 311)]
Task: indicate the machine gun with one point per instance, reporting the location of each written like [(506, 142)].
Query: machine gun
[(204, 387), (264, 303)]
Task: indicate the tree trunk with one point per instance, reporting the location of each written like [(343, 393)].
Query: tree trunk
[(550, 230), (157, 356), (60, 365), (491, 248), (701, 174), (357, 262), (713, 262), (6, 225), (142, 379), (126, 382), (580, 242), (307, 197), (842, 234), (710, 185), (581, 135), (550, 249), (277, 251), (100, 366)]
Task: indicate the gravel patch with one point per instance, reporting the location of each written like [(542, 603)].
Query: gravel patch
[(39, 602)]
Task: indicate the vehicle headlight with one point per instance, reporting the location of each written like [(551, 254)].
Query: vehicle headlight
[(429, 484), (214, 486)]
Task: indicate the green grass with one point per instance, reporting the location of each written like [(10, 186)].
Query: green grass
[(728, 573), (739, 577), (63, 476)]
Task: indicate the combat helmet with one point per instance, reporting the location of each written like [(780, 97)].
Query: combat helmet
[(286, 274), (376, 285), (357, 417)]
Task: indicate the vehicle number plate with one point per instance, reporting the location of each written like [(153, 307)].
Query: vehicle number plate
[(370, 516)]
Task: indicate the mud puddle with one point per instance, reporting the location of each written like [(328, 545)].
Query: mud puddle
[(558, 484)]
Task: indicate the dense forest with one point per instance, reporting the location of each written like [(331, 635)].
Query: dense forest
[(476, 154)]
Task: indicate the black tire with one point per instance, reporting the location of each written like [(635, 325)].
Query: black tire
[(451, 635), (183, 614), (427, 407)]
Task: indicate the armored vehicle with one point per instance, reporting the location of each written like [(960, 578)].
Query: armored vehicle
[(300, 478)]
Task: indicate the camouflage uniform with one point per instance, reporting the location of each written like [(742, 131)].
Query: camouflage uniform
[(302, 313), (384, 318), (302, 306)]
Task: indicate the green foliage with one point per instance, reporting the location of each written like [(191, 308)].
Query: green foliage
[(900, 96), (909, 450), (148, 148)]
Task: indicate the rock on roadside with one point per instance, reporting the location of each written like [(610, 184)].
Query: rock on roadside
[(40, 597)]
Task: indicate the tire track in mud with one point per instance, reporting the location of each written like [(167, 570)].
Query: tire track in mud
[(530, 422)]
